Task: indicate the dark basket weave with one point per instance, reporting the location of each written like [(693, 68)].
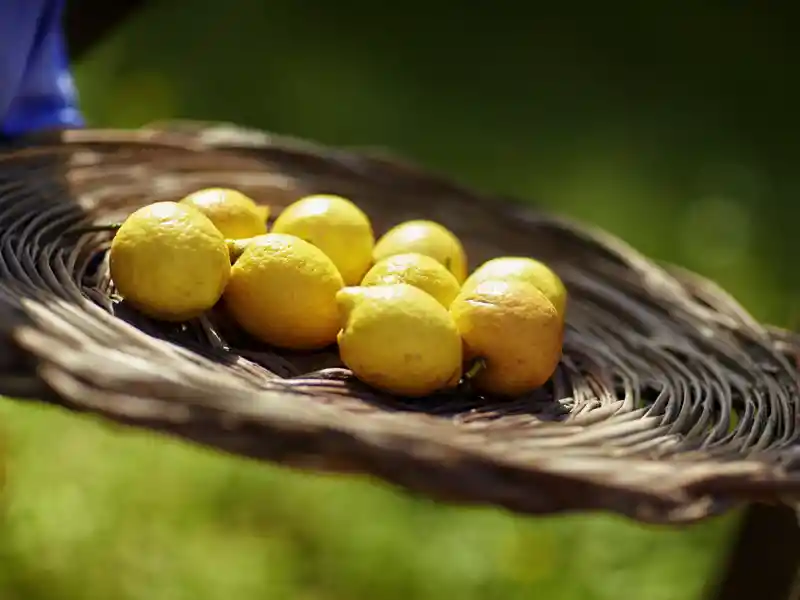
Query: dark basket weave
[(637, 419)]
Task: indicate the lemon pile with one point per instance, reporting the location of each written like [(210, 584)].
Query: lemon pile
[(403, 310)]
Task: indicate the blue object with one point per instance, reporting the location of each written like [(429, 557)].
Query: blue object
[(36, 86)]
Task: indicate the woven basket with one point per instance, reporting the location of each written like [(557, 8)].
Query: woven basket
[(637, 420)]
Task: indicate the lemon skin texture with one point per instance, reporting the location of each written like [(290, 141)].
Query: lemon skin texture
[(233, 213), (282, 291), (515, 329), (399, 339), (337, 227), (525, 269), (428, 238), (418, 270), (169, 261)]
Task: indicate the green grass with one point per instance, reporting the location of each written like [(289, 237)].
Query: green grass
[(540, 108), (93, 511)]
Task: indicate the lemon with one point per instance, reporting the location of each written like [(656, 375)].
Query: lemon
[(399, 339), (428, 238), (169, 261), (515, 329), (334, 225), (418, 270), (524, 269), (233, 213), (282, 290)]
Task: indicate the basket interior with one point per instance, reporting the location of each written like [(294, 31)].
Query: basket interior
[(670, 403)]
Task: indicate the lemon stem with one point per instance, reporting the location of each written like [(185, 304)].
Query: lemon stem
[(476, 367)]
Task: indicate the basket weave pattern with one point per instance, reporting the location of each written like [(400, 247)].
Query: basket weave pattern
[(637, 419)]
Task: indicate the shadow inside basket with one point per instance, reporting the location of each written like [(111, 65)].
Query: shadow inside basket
[(573, 389), (216, 337)]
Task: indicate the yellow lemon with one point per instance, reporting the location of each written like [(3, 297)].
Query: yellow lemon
[(428, 238), (334, 225), (418, 270), (282, 290), (169, 261), (524, 269), (399, 339), (233, 213), (515, 329)]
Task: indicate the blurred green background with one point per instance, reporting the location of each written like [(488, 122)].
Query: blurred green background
[(672, 125)]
